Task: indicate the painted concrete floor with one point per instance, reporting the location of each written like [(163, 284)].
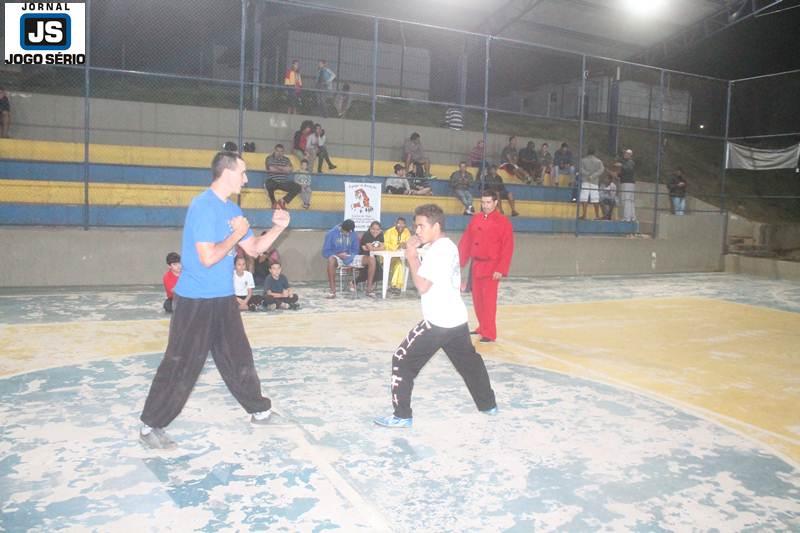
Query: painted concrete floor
[(647, 403)]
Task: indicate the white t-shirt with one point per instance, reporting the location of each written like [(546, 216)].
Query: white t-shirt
[(242, 283), (442, 305)]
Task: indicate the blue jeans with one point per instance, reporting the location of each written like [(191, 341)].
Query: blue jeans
[(464, 196), (678, 205)]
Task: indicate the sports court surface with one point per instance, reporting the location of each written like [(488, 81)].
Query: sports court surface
[(626, 403)]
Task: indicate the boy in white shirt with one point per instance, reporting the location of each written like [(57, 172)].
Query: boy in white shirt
[(444, 324), (243, 286)]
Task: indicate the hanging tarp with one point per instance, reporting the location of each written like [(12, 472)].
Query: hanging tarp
[(746, 157)]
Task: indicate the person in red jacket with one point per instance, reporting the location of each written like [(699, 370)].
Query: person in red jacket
[(489, 242)]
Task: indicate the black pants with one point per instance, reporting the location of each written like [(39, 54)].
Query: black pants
[(416, 350), (269, 300), (292, 189), (254, 302), (197, 326), (322, 155)]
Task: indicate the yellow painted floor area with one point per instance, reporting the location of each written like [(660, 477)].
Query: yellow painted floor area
[(733, 363)]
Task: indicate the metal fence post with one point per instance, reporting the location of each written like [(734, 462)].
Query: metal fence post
[(240, 140), (485, 110), (578, 177), (374, 99), (722, 191), (86, 116), (659, 148)]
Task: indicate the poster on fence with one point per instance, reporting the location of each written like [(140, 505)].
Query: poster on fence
[(362, 203)]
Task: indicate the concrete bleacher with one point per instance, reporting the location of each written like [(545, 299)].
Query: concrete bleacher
[(43, 183)]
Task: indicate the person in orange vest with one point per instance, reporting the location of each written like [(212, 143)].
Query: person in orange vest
[(489, 242)]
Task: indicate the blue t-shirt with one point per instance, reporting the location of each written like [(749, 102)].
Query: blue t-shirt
[(207, 221), (275, 285)]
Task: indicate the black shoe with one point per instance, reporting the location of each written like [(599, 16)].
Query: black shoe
[(294, 306), (331, 167), (474, 332), (486, 339)]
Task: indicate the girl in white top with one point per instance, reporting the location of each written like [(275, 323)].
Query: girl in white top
[(243, 285)]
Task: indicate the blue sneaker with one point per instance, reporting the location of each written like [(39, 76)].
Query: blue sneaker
[(392, 421), (490, 412)]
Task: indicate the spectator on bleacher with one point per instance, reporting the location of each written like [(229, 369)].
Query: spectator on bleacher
[(340, 248), (563, 165), (477, 156), (5, 113), (279, 168), (170, 278), (300, 140), (303, 179), (608, 194), (677, 192), (277, 291), (343, 100), (398, 184), (460, 183), (545, 165), (493, 181), (454, 118), (394, 239), (325, 77), (418, 185), (317, 141), (294, 86), (528, 160), (414, 154), (371, 240), (591, 170), (509, 161), (627, 186)]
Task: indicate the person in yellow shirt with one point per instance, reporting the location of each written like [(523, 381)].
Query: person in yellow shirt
[(395, 238)]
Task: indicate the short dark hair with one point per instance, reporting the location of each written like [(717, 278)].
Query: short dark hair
[(274, 263), (278, 146), (590, 151), (172, 257), (414, 136), (304, 160), (564, 144), (512, 138), (490, 192), (348, 225), (400, 218), (432, 212), (462, 163), (223, 161), (398, 167)]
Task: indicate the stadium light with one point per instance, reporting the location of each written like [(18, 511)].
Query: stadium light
[(643, 8)]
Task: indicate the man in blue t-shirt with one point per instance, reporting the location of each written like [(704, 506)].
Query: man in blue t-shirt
[(206, 315)]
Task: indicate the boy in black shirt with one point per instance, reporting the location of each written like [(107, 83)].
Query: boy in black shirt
[(277, 293)]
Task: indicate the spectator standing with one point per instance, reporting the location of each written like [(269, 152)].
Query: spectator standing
[(170, 278), (677, 192), (294, 86), (627, 185), (340, 248), (454, 118), (398, 184), (529, 161), (325, 77), (460, 183), (317, 141), (303, 179), (300, 140), (546, 165), (413, 153), (278, 170), (591, 170), (493, 181), (343, 100), (608, 195), (5, 113), (563, 165)]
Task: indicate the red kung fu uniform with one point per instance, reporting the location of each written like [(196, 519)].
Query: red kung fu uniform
[(489, 242)]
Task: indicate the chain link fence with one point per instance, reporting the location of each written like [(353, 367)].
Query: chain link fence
[(162, 75)]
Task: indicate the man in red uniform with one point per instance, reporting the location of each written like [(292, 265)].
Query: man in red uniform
[(489, 242)]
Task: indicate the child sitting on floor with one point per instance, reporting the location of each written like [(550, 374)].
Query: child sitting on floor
[(277, 293), (170, 278)]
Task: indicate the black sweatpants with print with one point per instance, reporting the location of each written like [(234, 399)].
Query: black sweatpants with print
[(197, 327), (416, 350)]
